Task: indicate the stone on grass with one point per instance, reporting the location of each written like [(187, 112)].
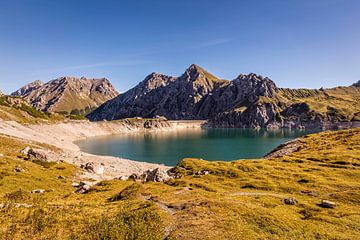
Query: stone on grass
[(94, 168), (37, 155), (83, 188), (290, 201), (123, 178), (327, 204), (156, 175), (25, 151), (19, 169), (38, 191)]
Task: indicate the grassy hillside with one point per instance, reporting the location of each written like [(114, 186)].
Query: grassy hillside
[(212, 200), (17, 109), (342, 103)]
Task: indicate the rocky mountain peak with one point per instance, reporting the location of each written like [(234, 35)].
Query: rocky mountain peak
[(28, 88), (195, 72), (254, 84), (357, 84), (68, 94), (155, 80)]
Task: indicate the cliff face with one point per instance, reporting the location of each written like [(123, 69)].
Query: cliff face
[(157, 94), (247, 101), (68, 94)]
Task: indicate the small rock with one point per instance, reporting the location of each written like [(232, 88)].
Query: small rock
[(25, 151), (100, 169), (290, 201), (61, 177), (94, 168), (123, 178), (327, 204), (75, 185), (83, 188), (38, 191), (19, 169), (88, 167), (134, 177)]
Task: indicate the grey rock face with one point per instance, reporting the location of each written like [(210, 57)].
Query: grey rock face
[(161, 95), (357, 84), (68, 94), (196, 94), (28, 88), (249, 101)]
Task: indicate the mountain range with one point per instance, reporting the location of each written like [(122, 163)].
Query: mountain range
[(68, 95), (247, 101)]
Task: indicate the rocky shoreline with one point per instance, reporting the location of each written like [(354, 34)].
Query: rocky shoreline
[(63, 135)]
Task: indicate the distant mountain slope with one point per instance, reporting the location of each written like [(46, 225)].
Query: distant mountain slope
[(17, 109), (68, 94), (247, 101)]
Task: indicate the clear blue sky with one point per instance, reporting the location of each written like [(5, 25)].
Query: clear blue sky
[(297, 43)]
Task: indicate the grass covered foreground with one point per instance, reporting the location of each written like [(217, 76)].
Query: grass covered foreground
[(212, 200)]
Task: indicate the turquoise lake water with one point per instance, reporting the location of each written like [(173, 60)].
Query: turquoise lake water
[(171, 147)]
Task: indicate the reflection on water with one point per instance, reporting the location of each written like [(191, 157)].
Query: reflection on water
[(171, 146)]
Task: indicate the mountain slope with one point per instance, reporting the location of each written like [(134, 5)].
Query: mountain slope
[(68, 94), (247, 101), (17, 109)]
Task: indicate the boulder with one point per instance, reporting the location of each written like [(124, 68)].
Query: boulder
[(88, 167), (156, 175), (37, 155), (94, 168), (327, 204)]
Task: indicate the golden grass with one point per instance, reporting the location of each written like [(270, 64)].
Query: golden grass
[(236, 200)]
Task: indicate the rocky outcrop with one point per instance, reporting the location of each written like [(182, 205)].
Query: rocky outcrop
[(1, 93), (248, 101), (68, 95), (357, 84), (158, 94), (285, 149), (196, 94)]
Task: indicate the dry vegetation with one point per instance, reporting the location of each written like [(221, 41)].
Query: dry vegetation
[(340, 102), (235, 200), (17, 109)]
